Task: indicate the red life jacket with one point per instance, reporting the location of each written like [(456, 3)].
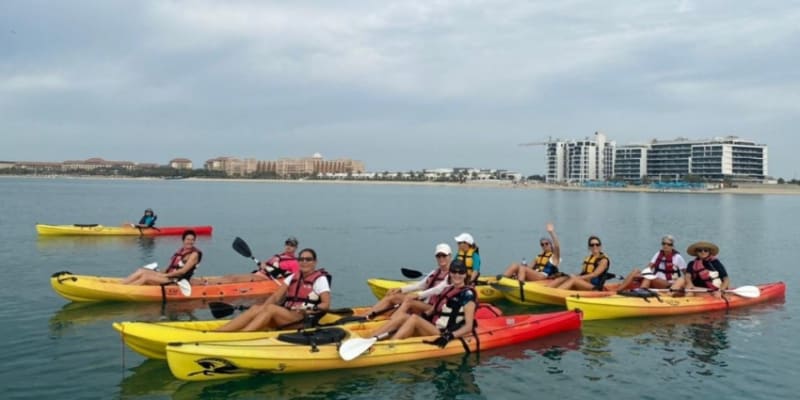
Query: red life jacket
[(280, 271), (300, 290), (436, 277), (447, 313), (179, 258), (702, 271), (668, 269)]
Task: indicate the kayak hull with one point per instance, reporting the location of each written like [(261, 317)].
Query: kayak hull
[(215, 360), (150, 339), (84, 288), (101, 230), (536, 293), (617, 306), (486, 293)]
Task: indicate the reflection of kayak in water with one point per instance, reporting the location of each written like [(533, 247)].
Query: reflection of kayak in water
[(72, 314), (149, 379)]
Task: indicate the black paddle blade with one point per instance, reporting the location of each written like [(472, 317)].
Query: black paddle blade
[(221, 310), (349, 319), (242, 248), (410, 273)]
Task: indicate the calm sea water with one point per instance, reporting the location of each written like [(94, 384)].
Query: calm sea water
[(54, 349)]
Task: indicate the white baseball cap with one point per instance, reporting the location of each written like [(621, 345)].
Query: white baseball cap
[(443, 248), (465, 237)]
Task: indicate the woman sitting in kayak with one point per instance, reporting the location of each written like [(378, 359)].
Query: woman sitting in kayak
[(593, 274), (705, 271), (545, 265), (451, 314), (306, 293), (181, 265), (433, 283), (469, 254), (665, 268)]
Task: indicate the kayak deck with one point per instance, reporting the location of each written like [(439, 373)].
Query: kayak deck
[(124, 230)]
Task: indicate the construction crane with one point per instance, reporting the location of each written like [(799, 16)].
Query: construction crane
[(544, 143)]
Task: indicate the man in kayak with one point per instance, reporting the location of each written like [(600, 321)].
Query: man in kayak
[(301, 295), (148, 220), (432, 283), (545, 265), (705, 271), (181, 266), (451, 313)]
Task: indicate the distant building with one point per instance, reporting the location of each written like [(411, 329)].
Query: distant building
[(285, 166), (180, 163), (580, 160), (96, 163), (672, 160)]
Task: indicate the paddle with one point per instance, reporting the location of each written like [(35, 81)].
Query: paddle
[(242, 248), (185, 287), (410, 273), (522, 291), (152, 266), (362, 318), (750, 292), (353, 348), (220, 309)]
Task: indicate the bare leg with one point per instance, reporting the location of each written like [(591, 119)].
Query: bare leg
[(273, 315), (395, 322), (531, 275), (415, 326), (629, 279), (238, 323), (512, 270), (388, 301), (558, 281)]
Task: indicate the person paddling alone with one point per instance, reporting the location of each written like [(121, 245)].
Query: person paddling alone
[(148, 220)]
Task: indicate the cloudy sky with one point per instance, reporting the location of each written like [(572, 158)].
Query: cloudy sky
[(406, 85)]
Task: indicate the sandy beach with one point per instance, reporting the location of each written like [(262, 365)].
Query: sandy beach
[(748, 189)]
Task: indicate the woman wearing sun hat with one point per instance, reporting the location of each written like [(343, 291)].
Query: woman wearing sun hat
[(705, 271)]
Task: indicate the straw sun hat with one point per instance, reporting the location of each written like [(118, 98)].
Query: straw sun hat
[(692, 250)]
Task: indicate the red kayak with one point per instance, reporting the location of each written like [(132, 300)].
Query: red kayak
[(124, 230)]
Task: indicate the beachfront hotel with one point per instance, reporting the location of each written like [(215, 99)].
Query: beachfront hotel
[(715, 159)]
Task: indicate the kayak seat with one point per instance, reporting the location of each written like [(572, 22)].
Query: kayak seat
[(85, 225), (314, 337)]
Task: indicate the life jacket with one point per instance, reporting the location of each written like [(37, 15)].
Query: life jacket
[(669, 269), (542, 263), (467, 258), (448, 313), (148, 220), (301, 291), (177, 260), (591, 262), (436, 277), (702, 270), (278, 271)]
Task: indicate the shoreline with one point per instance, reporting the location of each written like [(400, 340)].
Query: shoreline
[(746, 189)]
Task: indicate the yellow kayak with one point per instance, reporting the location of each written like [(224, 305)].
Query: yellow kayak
[(150, 338), (123, 230), (486, 293), (536, 293), (225, 360)]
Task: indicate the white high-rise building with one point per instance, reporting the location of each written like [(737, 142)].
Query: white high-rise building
[(580, 160)]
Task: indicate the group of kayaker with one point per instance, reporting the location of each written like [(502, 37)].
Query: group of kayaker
[(666, 270)]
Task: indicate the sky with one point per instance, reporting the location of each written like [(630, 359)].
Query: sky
[(398, 85)]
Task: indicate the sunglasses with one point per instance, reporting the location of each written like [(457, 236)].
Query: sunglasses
[(442, 255), (544, 244), (594, 245), (704, 250), (666, 244), (305, 259), (459, 272)]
